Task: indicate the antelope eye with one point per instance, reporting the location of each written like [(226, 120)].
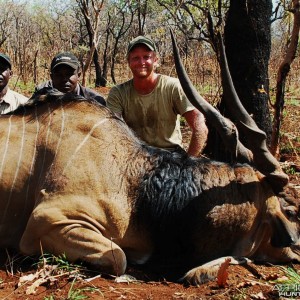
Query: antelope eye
[(291, 213)]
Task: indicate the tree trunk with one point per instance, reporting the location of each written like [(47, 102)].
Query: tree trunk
[(100, 81), (282, 75), (248, 46)]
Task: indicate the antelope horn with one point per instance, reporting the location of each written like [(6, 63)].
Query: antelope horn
[(224, 126), (263, 160), (259, 156)]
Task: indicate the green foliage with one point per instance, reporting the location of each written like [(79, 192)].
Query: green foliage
[(290, 171), (240, 295), (182, 121), (78, 293), (26, 89), (292, 101), (49, 298), (61, 261), (206, 89), (288, 149), (293, 278), (290, 284), (62, 265)]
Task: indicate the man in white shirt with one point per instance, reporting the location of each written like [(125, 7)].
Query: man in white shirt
[(9, 100)]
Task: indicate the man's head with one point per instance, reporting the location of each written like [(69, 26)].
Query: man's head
[(142, 56), (5, 70), (141, 40), (65, 72)]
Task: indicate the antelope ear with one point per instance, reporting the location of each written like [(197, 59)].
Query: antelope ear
[(283, 231), (282, 235)]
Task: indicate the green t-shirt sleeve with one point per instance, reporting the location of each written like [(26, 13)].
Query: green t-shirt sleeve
[(114, 100), (180, 100)]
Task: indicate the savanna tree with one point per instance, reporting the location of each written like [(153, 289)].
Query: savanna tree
[(248, 48), (291, 17), (91, 11)]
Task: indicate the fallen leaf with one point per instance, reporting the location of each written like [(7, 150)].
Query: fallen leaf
[(125, 278), (38, 278), (223, 274), (32, 288)]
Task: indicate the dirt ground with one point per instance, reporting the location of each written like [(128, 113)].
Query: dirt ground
[(19, 278), (244, 282)]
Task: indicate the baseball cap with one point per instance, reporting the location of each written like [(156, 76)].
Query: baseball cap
[(5, 58), (142, 40), (65, 58)]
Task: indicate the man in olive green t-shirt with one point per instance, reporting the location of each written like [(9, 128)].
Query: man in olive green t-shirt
[(151, 103)]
